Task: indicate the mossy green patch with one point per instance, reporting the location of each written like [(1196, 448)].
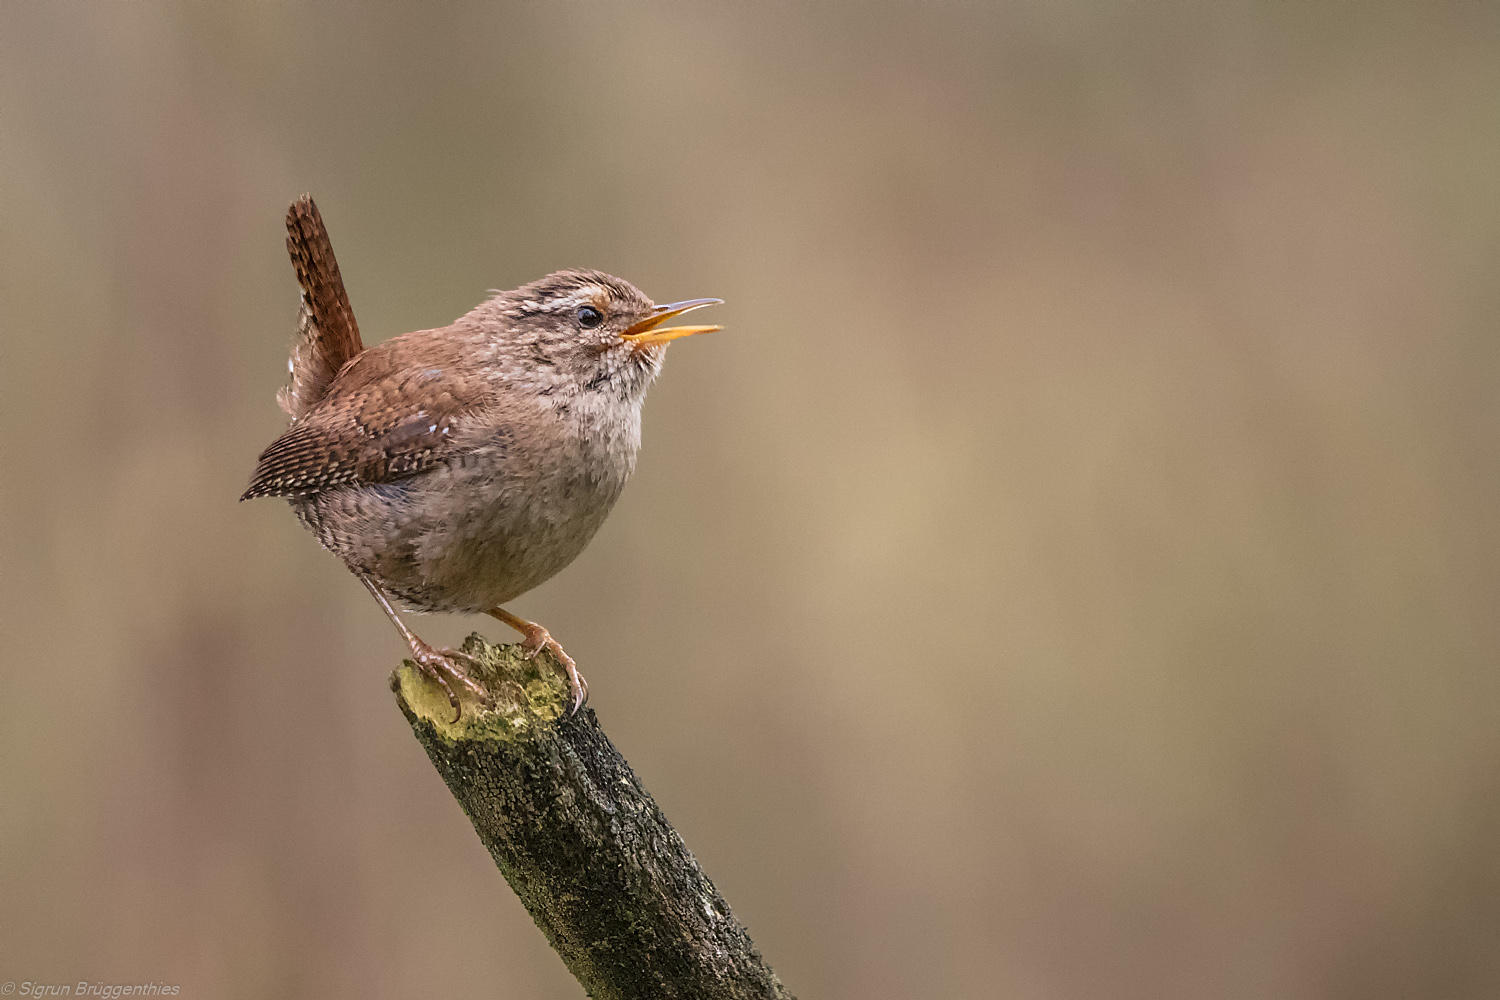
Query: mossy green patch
[(529, 694)]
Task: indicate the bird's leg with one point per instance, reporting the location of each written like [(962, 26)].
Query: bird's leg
[(435, 663), (538, 639)]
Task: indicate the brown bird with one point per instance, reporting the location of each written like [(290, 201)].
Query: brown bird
[(455, 469)]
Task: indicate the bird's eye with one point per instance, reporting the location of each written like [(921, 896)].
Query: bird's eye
[(589, 317)]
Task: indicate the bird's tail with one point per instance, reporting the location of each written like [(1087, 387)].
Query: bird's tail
[(327, 335)]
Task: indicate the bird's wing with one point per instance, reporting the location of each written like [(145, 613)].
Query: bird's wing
[(327, 335), (382, 424)]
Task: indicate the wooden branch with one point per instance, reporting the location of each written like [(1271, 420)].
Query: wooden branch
[(610, 883)]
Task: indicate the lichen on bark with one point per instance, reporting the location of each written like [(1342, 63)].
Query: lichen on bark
[(528, 693)]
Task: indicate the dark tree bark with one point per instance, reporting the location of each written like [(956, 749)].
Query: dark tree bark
[(584, 846)]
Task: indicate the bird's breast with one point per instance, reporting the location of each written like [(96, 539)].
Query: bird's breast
[(522, 506)]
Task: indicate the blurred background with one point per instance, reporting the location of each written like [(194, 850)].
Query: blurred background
[(1072, 573)]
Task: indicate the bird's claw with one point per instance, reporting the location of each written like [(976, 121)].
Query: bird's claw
[(441, 666), (538, 639)]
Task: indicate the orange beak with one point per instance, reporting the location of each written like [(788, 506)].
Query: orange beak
[(648, 331)]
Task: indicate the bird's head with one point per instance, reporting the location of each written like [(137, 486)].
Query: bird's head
[(589, 332)]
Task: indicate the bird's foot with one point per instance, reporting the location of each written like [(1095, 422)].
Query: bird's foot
[(538, 639), (442, 665)]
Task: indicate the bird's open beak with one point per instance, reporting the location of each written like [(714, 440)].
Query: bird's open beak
[(650, 330)]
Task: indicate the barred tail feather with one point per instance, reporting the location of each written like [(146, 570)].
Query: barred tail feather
[(327, 335)]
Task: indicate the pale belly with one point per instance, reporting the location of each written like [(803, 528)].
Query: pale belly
[(455, 539)]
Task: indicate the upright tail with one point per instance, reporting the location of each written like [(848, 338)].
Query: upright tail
[(327, 335)]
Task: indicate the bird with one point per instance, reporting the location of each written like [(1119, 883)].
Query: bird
[(456, 468)]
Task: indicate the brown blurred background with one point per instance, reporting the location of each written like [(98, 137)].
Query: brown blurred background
[(1073, 573)]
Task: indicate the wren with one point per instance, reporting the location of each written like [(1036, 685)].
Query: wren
[(455, 469)]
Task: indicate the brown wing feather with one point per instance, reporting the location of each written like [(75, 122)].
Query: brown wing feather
[(327, 335), (385, 422)]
